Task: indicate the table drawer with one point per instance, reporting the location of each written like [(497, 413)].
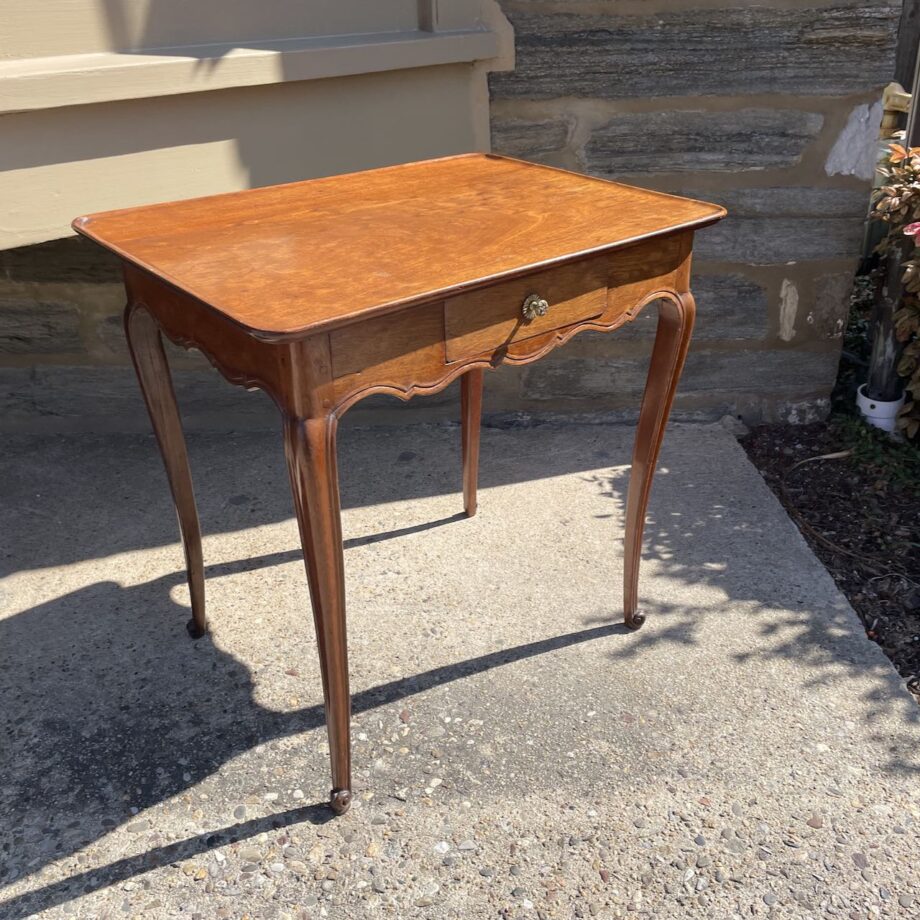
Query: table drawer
[(483, 320)]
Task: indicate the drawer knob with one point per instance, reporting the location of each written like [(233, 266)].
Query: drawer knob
[(534, 306)]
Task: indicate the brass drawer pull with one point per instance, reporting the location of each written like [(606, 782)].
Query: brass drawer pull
[(534, 306)]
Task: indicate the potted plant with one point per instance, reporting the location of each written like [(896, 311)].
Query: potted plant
[(883, 399)]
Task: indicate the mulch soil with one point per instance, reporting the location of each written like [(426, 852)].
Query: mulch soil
[(860, 513)]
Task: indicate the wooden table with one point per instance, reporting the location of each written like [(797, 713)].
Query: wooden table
[(396, 280)]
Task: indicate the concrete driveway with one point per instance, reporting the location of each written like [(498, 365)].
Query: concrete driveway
[(517, 754)]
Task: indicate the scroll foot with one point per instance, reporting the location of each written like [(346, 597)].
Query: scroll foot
[(340, 800), (195, 630), (635, 621)]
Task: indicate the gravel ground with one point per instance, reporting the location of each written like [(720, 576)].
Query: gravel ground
[(517, 753)]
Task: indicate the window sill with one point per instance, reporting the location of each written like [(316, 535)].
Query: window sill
[(44, 83)]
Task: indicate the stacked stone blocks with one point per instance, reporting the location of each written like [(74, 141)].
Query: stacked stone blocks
[(770, 109)]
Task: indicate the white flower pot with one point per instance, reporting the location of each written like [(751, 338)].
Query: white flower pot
[(879, 413)]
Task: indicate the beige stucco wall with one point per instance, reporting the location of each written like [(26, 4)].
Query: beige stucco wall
[(34, 30), (58, 163), (122, 102)]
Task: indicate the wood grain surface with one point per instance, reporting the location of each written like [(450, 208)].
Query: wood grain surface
[(290, 259)]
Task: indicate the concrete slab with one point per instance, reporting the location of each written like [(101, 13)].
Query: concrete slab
[(517, 752)]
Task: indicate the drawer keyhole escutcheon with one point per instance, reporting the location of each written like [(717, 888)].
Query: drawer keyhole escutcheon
[(534, 306)]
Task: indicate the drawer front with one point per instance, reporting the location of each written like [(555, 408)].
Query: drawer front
[(483, 320)]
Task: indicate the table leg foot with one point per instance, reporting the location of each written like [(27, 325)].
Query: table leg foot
[(310, 451), (196, 630), (635, 621), (340, 800)]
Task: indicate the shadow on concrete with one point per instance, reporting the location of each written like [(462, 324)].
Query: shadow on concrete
[(677, 541), (152, 738), (105, 649), (131, 866), (104, 507)]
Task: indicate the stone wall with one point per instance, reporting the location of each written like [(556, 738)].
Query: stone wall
[(768, 109), (64, 364)]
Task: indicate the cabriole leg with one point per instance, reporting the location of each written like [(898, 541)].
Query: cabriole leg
[(146, 347), (310, 449), (471, 420), (675, 325)]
